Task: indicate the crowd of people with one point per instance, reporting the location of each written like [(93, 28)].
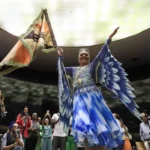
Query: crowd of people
[(34, 133)]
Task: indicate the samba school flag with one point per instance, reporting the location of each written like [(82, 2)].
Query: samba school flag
[(37, 37)]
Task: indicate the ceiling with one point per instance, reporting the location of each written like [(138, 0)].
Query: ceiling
[(132, 52), (79, 22)]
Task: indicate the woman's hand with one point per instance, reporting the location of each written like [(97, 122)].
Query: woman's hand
[(47, 113), (15, 144), (115, 31), (60, 51)]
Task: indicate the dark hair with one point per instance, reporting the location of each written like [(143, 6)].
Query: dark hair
[(145, 115), (22, 113), (47, 117), (118, 117)]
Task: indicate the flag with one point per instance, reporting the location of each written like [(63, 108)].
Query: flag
[(37, 37)]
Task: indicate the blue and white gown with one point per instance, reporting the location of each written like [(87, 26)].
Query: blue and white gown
[(92, 119)]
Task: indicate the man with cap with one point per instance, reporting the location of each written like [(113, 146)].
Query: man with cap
[(12, 140)]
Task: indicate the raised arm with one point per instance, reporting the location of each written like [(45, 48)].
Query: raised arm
[(55, 118), (2, 105), (20, 119), (50, 119), (104, 49), (43, 120), (114, 32), (67, 69), (47, 115), (106, 70), (60, 52)]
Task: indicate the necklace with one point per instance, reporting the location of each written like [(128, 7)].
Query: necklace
[(80, 71)]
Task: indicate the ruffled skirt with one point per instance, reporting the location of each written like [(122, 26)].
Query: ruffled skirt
[(93, 120)]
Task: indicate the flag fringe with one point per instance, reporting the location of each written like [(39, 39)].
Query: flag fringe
[(31, 26), (8, 70)]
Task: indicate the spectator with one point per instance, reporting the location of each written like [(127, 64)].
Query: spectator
[(40, 135), (39, 120), (32, 133), (126, 137), (126, 145), (2, 107), (47, 132), (12, 139), (59, 137), (145, 130), (24, 121)]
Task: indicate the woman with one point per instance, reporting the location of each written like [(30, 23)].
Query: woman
[(24, 121), (93, 121), (47, 132), (126, 145), (126, 137), (40, 135)]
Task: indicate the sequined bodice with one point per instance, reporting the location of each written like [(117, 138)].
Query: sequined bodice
[(82, 77)]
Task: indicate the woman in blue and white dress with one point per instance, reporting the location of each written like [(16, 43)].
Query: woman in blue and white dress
[(93, 121)]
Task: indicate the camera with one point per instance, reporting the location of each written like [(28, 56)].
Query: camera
[(17, 132), (26, 114)]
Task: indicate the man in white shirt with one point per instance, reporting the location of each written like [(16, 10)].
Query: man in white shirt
[(145, 130), (59, 136)]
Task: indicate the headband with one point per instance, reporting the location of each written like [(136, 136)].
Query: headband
[(83, 50)]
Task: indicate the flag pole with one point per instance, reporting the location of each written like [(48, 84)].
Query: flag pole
[(55, 44), (50, 28)]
